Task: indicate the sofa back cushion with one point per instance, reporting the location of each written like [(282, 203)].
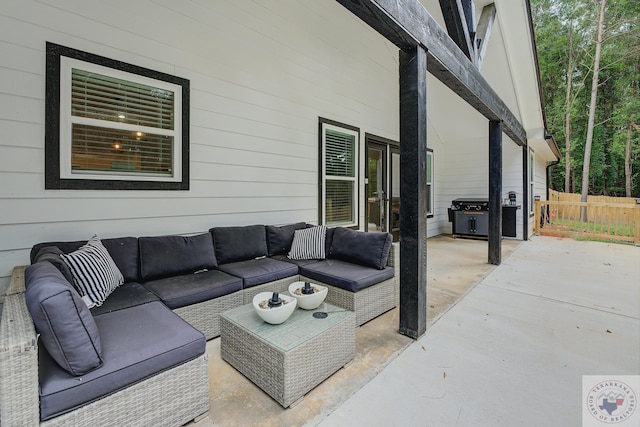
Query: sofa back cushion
[(66, 327), (368, 249), (165, 256), (239, 243), (279, 238), (123, 250)]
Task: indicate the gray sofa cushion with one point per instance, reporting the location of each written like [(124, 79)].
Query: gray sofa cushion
[(345, 275), (52, 254), (279, 238), (258, 271), (65, 247), (297, 262), (125, 296), (166, 256), (368, 249), (67, 329), (137, 343), (187, 289), (329, 241), (239, 243), (123, 250)]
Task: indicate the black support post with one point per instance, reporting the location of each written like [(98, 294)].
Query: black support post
[(495, 192), (413, 192), (525, 193)]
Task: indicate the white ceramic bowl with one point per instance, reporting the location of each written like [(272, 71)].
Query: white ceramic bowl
[(310, 301), (274, 315)]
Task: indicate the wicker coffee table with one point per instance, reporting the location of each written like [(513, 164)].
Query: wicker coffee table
[(288, 360)]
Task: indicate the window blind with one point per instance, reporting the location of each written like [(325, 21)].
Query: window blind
[(339, 154), (114, 147), (108, 98), (339, 202), (99, 149)]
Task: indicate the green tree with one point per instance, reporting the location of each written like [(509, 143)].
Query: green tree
[(566, 31)]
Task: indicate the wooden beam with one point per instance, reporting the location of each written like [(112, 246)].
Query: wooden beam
[(413, 192), (469, 9), (457, 26), (406, 23), (487, 17), (495, 192)]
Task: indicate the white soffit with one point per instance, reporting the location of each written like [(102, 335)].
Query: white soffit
[(514, 22)]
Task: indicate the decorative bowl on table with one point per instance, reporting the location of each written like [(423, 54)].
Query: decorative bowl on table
[(309, 295), (274, 308)]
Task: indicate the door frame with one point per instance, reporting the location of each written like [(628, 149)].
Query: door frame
[(387, 146)]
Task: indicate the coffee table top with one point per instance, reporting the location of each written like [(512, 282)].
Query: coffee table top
[(298, 329)]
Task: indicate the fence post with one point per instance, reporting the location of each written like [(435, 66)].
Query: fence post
[(536, 217)]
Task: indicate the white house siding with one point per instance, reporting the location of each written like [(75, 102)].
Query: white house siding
[(261, 75), (463, 172), (435, 143), (512, 177), (540, 185)]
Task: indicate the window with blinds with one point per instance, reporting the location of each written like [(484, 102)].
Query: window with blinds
[(340, 175), (116, 122)]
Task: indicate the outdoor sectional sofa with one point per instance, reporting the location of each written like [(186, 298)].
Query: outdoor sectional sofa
[(139, 357)]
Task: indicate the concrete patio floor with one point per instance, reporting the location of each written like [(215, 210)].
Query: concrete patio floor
[(514, 350), (454, 267)]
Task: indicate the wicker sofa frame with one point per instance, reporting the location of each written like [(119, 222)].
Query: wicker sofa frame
[(173, 397), (368, 303)]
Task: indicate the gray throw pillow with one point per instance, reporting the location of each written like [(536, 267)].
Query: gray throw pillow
[(52, 254), (66, 327)]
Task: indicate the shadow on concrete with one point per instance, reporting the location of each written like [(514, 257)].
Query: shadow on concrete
[(454, 267)]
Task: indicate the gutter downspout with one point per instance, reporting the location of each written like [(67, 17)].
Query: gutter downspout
[(551, 141), (554, 147)]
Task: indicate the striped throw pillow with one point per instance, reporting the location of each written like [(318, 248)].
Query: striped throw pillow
[(308, 243), (95, 274)]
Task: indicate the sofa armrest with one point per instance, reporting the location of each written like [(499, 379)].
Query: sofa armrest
[(16, 283), (393, 260), (19, 401)]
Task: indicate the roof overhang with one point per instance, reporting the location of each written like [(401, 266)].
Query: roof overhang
[(516, 25), (406, 23)]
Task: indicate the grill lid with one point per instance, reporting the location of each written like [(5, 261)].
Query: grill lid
[(477, 203)]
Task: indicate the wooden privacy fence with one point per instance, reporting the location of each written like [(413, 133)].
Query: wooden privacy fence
[(592, 220), (574, 197)]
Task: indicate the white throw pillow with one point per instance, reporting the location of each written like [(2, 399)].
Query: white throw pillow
[(308, 243), (95, 274)]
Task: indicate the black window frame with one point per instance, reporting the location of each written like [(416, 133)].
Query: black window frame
[(53, 179)]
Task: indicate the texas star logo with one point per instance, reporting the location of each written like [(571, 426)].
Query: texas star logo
[(611, 401)]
